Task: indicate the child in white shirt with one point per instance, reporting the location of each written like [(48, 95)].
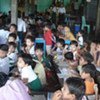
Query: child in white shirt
[(4, 60), (26, 72)]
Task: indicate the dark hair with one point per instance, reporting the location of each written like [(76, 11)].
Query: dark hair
[(14, 25), (27, 59), (76, 86), (87, 57), (68, 56), (19, 14), (12, 44), (91, 69), (13, 35), (3, 79), (39, 48), (73, 42), (31, 38), (61, 41), (4, 47)]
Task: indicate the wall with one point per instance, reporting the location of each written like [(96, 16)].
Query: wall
[(5, 5)]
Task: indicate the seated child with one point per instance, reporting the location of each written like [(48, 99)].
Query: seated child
[(73, 49), (97, 56), (14, 89), (59, 50), (12, 55), (4, 60), (89, 75), (85, 58), (41, 58), (40, 71), (71, 70), (73, 89), (80, 38), (12, 37), (29, 49), (27, 74)]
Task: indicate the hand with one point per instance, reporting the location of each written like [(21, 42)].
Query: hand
[(57, 95)]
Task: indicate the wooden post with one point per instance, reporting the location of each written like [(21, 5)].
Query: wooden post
[(14, 5), (98, 18)]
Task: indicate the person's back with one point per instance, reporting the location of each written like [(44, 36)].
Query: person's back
[(15, 90)]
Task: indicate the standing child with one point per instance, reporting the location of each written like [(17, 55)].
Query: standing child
[(26, 72), (4, 60), (48, 38)]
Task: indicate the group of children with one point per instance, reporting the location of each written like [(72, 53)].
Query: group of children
[(31, 64)]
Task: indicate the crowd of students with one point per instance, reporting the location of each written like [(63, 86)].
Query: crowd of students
[(19, 54)]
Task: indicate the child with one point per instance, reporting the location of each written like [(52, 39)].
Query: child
[(12, 55), (12, 37), (48, 38), (73, 49), (73, 89), (97, 56), (29, 49), (4, 60), (14, 89), (13, 29), (93, 48), (59, 50), (85, 58), (28, 76), (89, 74), (41, 58), (80, 38)]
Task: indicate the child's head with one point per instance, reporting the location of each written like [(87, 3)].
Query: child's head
[(3, 50), (38, 52), (3, 79), (60, 43), (12, 37), (93, 45), (13, 28), (88, 71), (24, 60), (73, 46), (98, 46), (12, 47), (80, 33), (73, 89), (69, 56), (47, 27), (29, 40), (85, 58)]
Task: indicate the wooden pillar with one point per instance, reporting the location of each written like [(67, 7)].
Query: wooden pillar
[(98, 18), (14, 4)]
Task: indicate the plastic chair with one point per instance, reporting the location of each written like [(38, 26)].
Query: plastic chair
[(41, 41), (84, 24), (76, 28)]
